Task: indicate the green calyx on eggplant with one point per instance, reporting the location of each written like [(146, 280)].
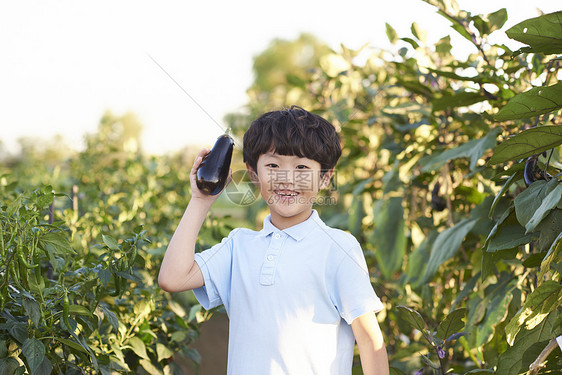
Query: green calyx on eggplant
[(213, 170), (531, 173)]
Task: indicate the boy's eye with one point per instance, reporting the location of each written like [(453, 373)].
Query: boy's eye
[(302, 166), (271, 165)]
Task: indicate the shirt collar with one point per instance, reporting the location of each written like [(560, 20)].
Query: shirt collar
[(298, 231)]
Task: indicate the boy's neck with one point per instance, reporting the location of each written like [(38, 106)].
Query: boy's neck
[(283, 223)]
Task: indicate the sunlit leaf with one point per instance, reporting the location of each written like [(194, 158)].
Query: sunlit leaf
[(163, 352), (452, 323), (110, 242), (413, 317), (391, 33), (546, 298), (138, 347), (551, 256), (534, 102), (527, 143), (497, 19), (541, 33), (511, 361)]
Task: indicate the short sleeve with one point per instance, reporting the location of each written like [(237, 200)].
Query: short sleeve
[(215, 264), (351, 289)]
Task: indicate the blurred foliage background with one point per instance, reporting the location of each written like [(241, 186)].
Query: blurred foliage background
[(449, 178)]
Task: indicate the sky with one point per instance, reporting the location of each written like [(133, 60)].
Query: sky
[(66, 62)]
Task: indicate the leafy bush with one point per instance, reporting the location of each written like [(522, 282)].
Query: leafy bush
[(456, 228), (78, 271)]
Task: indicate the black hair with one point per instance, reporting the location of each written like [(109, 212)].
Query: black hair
[(292, 131)]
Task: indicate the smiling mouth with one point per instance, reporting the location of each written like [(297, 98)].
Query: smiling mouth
[(286, 193)]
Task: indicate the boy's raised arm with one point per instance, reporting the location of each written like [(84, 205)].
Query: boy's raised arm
[(179, 271)]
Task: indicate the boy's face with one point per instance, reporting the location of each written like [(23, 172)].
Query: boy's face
[(289, 185)]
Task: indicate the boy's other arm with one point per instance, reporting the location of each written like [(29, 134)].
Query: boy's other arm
[(372, 350), (179, 271)]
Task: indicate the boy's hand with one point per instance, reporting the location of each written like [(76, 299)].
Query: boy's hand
[(195, 192)]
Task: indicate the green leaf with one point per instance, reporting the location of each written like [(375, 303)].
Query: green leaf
[(460, 99), (412, 42), (414, 318), (111, 317), (395, 371), (546, 298), (79, 310), (163, 352), (417, 32), (356, 215), (443, 46), (549, 228), (45, 367), (138, 347), (34, 352), (508, 237), (534, 102), (452, 323), (446, 245), (192, 354), (551, 256), (548, 203), (57, 242), (528, 143), (406, 109), (389, 236), (497, 19), (391, 33), (32, 310), (71, 344), (149, 367), (497, 300), (510, 361), (455, 76), (541, 33), (3, 349), (502, 191), (417, 260), (528, 202), (474, 149), (110, 242), (8, 366)]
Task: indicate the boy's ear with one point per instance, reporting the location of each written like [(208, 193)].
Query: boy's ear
[(252, 173), (325, 179)]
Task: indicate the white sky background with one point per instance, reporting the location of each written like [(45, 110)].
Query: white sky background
[(64, 63)]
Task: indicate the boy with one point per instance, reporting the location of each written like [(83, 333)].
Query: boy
[(297, 293)]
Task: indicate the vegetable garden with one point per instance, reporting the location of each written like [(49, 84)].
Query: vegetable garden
[(450, 179)]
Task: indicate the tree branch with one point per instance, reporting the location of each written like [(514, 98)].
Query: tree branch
[(539, 362)]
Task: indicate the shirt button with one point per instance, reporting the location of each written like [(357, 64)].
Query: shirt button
[(270, 257), (277, 236)]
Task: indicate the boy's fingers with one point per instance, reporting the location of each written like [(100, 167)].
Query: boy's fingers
[(199, 159)]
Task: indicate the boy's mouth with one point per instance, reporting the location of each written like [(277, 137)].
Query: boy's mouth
[(286, 193)]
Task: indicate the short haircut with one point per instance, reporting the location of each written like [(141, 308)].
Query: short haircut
[(294, 132)]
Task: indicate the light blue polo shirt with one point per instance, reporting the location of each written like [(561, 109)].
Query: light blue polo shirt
[(290, 295)]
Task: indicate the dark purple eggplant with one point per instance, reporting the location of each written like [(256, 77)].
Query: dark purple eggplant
[(532, 173), (213, 170)]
